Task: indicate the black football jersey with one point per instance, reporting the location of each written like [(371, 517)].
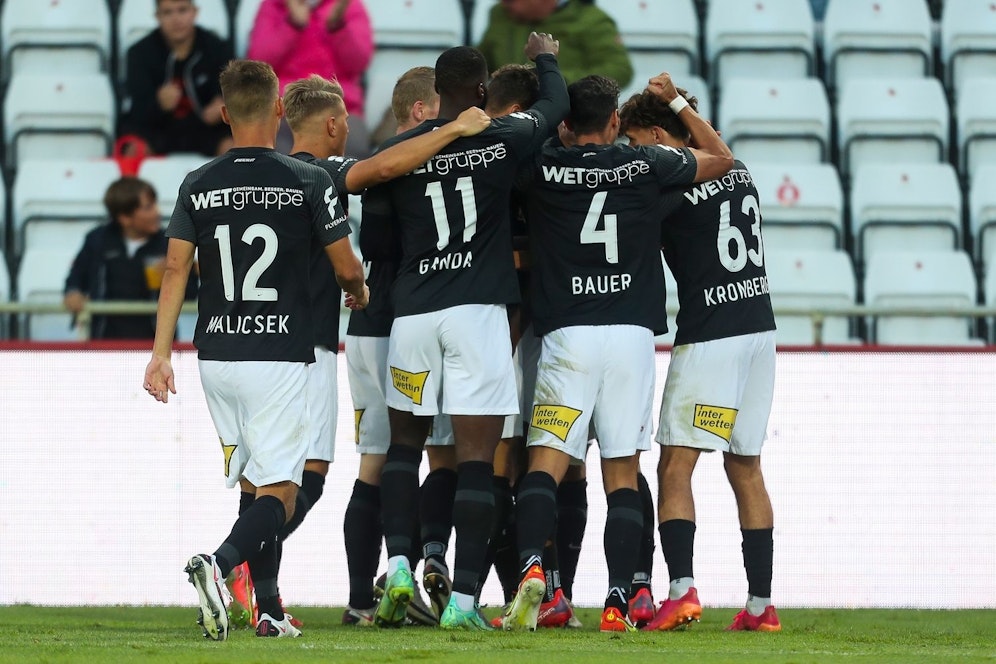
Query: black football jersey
[(594, 214), (452, 217), (326, 295), (713, 245), (252, 214)]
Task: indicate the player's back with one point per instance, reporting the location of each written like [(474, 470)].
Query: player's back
[(252, 214), (713, 246), (594, 213), (453, 217)]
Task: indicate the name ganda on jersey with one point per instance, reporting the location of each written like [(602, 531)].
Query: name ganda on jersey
[(728, 182), (736, 290), (469, 160), (241, 197), (596, 177), (259, 324)]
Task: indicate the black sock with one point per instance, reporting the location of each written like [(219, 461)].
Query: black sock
[(312, 486), (362, 533), (473, 513), (623, 526), (535, 515), (253, 530), (678, 545), (436, 513), (399, 498), (572, 518), (551, 568), (245, 501), (506, 553), (264, 566), (645, 561), (759, 551), (503, 498)]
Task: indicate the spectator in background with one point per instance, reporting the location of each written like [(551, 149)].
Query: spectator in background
[(331, 38), (172, 99), (122, 260), (590, 42)]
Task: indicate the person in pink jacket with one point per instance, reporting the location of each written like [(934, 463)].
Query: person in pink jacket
[(332, 38)]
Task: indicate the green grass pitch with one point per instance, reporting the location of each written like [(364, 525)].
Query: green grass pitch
[(169, 634)]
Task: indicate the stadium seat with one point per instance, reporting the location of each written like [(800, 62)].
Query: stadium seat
[(744, 38), (968, 41), (68, 37), (784, 120), (861, 38), (4, 218), (4, 296), (58, 116), (900, 207), (659, 36), (811, 278), (245, 17), (166, 174), (479, 19), (60, 190), (802, 205), (419, 24), (989, 295), (982, 216), (976, 116), (931, 279), (41, 278), (873, 113), (137, 18)]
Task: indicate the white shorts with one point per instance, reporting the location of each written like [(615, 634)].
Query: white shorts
[(718, 394), (456, 361), (525, 358), (366, 368), (323, 404), (260, 410), (602, 374)]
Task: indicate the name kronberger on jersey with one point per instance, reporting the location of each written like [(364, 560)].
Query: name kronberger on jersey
[(710, 188), (602, 284), (737, 290), (457, 260), (594, 177), (240, 197), (442, 164), (269, 324)]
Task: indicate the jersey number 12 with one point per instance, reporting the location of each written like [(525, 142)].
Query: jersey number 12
[(250, 291)]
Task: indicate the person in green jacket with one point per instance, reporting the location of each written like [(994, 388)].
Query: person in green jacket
[(589, 39)]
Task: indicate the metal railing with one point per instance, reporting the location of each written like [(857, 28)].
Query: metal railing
[(818, 315)]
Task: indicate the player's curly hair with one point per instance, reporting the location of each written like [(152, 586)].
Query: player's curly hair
[(645, 110), (513, 84), (593, 101)]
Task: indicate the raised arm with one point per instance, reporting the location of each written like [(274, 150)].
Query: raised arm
[(554, 103), (713, 156), (403, 157)]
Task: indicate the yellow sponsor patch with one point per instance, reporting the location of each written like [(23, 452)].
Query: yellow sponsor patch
[(410, 384), (557, 420), (357, 416), (715, 419), (228, 451)]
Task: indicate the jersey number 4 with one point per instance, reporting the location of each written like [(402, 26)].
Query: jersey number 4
[(250, 291), (731, 236), (608, 235), (434, 190)]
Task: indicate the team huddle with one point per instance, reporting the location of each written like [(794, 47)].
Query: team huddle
[(504, 320)]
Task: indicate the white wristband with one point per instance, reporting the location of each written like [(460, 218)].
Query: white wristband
[(678, 104)]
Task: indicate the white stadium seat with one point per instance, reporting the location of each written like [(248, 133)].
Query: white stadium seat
[(976, 116), (872, 113), (67, 37), (930, 279), (899, 207), (811, 278), (785, 120), (58, 116), (60, 190), (658, 35), (802, 205), (245, 17), (773, 36), (137, 18), (166, 174), (4, 294), (968, 41), (41, 278), (876, 38), (420, 24), (982, 215)]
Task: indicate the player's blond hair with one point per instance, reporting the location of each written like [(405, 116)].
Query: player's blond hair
[(416, 84), (310, 96), (249, 89)]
